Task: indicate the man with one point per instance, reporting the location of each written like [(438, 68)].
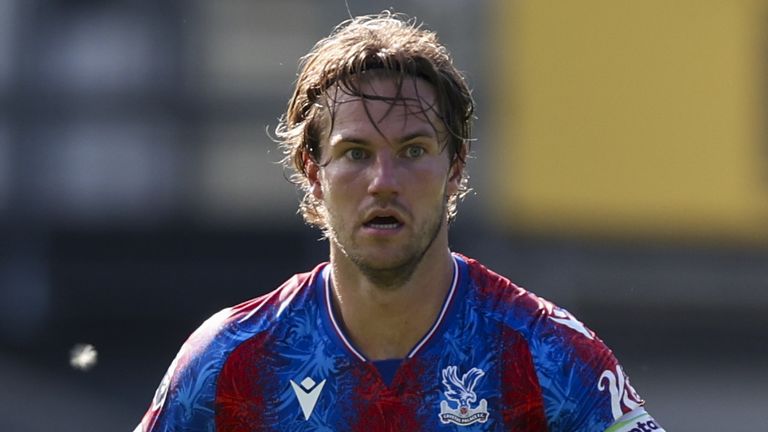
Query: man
[(396, 333)]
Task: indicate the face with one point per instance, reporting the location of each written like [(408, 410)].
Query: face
[(385, 179)]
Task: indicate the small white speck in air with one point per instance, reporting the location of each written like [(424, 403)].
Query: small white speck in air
[(83, 357)]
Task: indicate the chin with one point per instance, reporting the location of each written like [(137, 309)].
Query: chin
[(382, 262), (392, 259)]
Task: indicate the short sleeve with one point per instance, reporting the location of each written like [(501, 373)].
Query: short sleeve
[(636, 420), (184, 400), (583, 385)]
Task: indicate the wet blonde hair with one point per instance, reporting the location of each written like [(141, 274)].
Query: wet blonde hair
[(394, 46)]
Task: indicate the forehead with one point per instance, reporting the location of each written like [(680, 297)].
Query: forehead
[(384, 105)]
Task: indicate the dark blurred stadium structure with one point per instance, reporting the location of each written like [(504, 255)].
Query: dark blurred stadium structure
[(621, 170)]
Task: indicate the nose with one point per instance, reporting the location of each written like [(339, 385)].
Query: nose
[(383, 176)]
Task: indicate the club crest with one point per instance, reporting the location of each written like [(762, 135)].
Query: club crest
[(462, 391)]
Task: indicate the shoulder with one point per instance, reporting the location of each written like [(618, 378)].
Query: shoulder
[(188, 388), (519, 308), (544, 325), (582, 383), (231, 326), (262, 312), (515, 306)]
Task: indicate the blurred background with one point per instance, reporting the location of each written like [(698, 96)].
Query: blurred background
[(620, 170)]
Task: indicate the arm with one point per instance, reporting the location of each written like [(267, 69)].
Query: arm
[(586, 388), (184, 400), (636, 420)]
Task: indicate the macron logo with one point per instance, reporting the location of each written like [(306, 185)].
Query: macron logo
[(307, 393)]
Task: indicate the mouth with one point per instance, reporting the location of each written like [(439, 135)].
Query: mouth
[(383, 223)]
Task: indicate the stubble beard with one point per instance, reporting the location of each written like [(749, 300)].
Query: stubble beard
[(397, 274)]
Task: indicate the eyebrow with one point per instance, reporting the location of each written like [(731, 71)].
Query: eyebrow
[(403, 139)]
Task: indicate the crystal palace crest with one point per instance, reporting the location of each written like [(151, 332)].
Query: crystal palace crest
[(462, 392)]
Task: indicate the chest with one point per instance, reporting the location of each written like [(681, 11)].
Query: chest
[(316, 386)]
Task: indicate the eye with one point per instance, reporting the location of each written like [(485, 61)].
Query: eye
[(414, 152), (356, 153)]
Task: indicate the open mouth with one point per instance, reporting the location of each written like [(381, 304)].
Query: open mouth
[(383, 222)]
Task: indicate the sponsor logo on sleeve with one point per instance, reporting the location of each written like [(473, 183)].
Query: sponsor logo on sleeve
[(636, 421), (462, 392), (645, 426), (623, 396)]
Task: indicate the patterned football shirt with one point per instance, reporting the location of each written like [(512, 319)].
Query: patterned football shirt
[(497, 358)]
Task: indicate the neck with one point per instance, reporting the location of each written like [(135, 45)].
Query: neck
[(386, 322)]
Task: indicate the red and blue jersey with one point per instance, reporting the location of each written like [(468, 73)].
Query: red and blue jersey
[(498, 358)]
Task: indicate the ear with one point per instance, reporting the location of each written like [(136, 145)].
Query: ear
[(313, 175), (456, 171)]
